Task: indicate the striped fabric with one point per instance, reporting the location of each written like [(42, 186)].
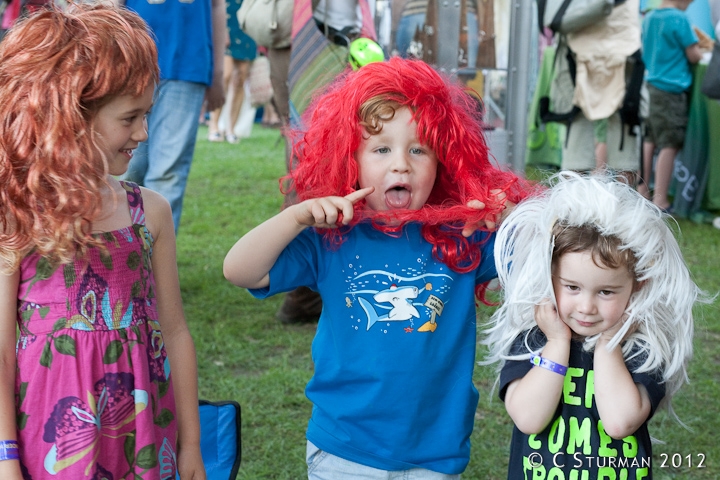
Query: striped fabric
[(314, 60)]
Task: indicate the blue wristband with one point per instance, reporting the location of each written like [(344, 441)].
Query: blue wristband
[(539, 361), (9, 450)]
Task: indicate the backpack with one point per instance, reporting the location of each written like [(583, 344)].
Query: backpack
[(629, 111), (268, 22), (557, 106), (565, 16)]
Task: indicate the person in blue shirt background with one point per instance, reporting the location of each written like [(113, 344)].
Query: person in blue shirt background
[(190, 38), (670, 46)]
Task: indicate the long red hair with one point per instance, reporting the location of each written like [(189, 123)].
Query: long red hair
[(57, 68), (448, 121)]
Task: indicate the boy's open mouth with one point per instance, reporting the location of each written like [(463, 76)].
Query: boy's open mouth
[(398, 196)]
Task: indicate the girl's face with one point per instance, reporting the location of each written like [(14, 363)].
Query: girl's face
[(120, 126), (401, 169), (591, 299)]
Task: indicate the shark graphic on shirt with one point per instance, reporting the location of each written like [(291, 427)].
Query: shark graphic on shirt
[(401, 298)]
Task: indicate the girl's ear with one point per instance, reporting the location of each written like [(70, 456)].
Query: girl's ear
[(639, 286)]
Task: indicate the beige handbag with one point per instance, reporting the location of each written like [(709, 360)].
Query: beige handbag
[(268, 22), (259, 84)]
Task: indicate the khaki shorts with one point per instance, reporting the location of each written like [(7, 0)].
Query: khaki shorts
[(578, 151), (668, 119)]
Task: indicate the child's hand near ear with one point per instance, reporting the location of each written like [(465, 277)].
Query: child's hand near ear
[(329, 212), (549, 322), (469, 229)]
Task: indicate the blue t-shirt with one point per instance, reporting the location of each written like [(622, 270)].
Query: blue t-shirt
[(183, 34), (394, 350), (666, 33)]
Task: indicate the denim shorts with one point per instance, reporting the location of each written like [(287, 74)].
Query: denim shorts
[(325, 466)]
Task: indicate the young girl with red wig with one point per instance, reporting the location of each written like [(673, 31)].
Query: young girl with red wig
[(87, 263), (394, 181)]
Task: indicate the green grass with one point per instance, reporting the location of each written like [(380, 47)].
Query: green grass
[(246, 355)]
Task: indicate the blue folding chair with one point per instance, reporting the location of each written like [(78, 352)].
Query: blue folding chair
[(220, 442)]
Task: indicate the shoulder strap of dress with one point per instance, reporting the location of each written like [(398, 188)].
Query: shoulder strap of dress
[(135, 202)]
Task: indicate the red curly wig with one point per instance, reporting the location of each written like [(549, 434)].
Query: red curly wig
[(448, 121), (57, 68)]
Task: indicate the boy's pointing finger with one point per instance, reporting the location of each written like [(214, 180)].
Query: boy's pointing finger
[(358, 195)]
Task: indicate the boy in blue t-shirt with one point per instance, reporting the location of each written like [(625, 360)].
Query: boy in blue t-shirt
[(393, 180), (670, 46)]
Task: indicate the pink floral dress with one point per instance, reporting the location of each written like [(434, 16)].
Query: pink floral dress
[(93, 390)]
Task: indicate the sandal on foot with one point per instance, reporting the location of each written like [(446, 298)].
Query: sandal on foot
[(215, 137), (232, 138)]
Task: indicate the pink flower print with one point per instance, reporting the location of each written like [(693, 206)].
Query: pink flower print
[(167, 461), (157, 342), (26, 310), (113, 315), (157, 357), (75, 426), (88, 312), (91, 286), (134, 198), (139, 312), (127, 233), (24, 342), (102, 474), (145, 237), (88, 307)]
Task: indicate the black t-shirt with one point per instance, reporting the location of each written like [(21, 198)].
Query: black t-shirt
[(574, 445)]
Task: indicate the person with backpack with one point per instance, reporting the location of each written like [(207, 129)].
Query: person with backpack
[(670, 47), (604, 64)]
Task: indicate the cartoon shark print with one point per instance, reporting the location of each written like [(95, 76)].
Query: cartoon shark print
[(386, 296), (399, 298)]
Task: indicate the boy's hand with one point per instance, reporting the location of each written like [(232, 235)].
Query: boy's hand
[(469, 229), (550, 323), (325, 212)]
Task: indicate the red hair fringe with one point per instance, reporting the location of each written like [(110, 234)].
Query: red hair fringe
[(449, 122)]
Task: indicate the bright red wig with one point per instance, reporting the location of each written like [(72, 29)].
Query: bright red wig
[(448, 121), (57, 68)]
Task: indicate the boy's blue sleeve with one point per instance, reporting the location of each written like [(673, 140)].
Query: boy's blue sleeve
[(486, 271), (687, 35), (297, 266)]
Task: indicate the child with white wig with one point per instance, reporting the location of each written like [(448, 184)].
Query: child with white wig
[(595, 329)]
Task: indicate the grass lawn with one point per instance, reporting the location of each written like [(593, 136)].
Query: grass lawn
[(246, 355)]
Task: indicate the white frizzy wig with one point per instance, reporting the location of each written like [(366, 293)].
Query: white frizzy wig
[(660, 311)]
